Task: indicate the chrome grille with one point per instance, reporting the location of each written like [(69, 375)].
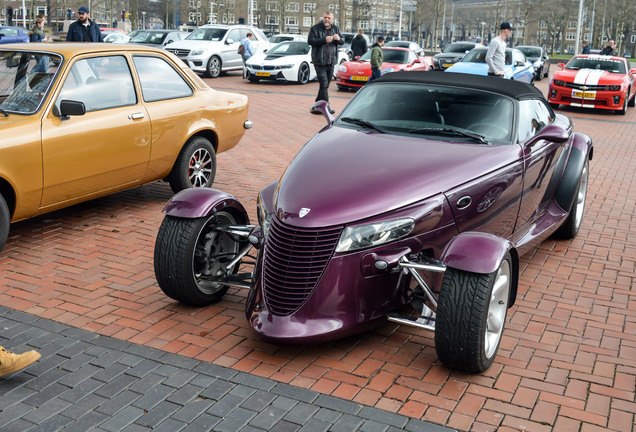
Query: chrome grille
[(294, 261), (588, 87), (179, 52)]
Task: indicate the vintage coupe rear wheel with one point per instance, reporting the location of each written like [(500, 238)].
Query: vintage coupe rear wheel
[(5, 222), (570, 227), (303, 73), (213, 68), (191, 256), (471, 314), (195, 166)]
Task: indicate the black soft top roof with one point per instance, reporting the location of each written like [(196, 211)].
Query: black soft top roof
[(514, 89)]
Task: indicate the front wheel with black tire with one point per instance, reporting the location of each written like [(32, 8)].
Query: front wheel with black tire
[(5, 222), (213, 68), (554, 105), (623, 110), (191, 258), (632, 101), (303, 73), (570, 227), (195, 166), (471, 313)]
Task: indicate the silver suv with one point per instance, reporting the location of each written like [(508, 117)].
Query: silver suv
[(213, 48)]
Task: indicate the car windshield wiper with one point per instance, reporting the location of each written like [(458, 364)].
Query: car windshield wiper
[(450, 131), (364, 123)]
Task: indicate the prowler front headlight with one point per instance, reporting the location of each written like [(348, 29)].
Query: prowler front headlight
[(371, 235), (264, 217)]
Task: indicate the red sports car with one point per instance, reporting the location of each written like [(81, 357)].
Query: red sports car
[(594, 81), (354, 74)]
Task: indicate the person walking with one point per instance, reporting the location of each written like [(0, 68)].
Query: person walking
[(496, 55), (376, 59), (609, 49), (324, 38), (359, 45), (84, 30), (248, 49), (10, 362), (586, 48)]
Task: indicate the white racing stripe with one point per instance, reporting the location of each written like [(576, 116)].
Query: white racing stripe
[(588, 76)]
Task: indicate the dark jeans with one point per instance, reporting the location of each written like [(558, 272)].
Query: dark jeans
[(324, 73), (375, 73)]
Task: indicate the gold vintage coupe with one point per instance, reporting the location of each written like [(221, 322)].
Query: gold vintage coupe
[(79, 121)]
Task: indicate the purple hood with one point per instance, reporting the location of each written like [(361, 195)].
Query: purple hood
[(344, 175)]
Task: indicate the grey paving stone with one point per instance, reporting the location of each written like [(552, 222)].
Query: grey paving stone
[(217, 390), (205, 422), (185, 394), (47, 410), (285, 426), (295, 392), (13, 391), (178, 361), (111, 343), (315, 425), (235, 421), (373, 426), (123, 418), (46, 394), (115, 386), (87, 422), (347, 423), (84, 406), (268, 417), (74, 349), (107, 358), (142, 368), (46, 372), (170, 425), (19, 425), (180, 378), (75, 363), (285, 403), (142, 351), (13, 413), (144, 385), (258, 401), (193, 409), (82, 390), (153, 397), (415, 425), (79, 375), (300, 413), (225, 406), (338, 404), (253, 381), (328, 415), (215, 371), (383, 417), (243, 391), (203, 381), (158, 414), (131, 360), (118, 403), (52, 424), (80, 334), (110, 372)]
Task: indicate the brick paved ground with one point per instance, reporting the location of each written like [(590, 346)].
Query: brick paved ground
[(568, 356)]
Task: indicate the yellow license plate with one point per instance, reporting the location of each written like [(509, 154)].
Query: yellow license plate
[(447, 65), (584, 95), (262, 74), (359, 78)]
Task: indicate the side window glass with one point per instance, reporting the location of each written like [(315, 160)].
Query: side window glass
[(159, 80), (234, 35), (99, 83), (534, 115)]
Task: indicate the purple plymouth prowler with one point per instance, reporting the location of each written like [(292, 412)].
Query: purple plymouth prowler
[(425, 190)]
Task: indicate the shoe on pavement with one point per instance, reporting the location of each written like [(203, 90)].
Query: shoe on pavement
[(11, 362)]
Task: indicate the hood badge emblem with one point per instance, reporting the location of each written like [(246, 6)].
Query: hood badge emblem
[(303, 212)]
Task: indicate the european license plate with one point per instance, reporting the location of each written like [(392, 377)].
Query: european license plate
[(447, 65), (359, 78), (262, 74), (583, 94)]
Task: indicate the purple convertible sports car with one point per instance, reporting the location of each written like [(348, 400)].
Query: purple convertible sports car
[(424, 191)]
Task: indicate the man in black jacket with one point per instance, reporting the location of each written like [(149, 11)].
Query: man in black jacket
[(84, 30), (324, 38), (358, 44)]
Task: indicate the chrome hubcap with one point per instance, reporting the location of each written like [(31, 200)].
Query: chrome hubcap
[(497, 309)]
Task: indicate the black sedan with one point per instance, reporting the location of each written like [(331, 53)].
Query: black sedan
[(452, 54)]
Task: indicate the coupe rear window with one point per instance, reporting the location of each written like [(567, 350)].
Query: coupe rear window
[(459, 114), (608, 65)]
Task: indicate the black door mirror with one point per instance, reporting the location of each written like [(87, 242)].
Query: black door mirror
[(71, 108)]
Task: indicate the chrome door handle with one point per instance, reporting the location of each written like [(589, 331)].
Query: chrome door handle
[(136, 116)]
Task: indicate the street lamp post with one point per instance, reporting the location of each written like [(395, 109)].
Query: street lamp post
[(143, 18), (483, 24)]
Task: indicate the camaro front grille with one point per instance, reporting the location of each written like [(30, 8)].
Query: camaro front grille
[(294, 261), (586, 87)]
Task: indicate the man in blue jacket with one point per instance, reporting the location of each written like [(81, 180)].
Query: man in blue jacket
[(84, 30)]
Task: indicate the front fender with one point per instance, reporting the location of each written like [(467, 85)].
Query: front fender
[(199, 202), (476, 252), (582, 150)]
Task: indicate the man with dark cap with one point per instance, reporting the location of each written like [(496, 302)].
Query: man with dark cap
[(496, 55), (84, 30)]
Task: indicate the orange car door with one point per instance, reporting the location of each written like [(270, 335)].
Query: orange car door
[(106, 148)]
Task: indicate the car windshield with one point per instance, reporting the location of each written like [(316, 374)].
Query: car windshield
[(399, 44), (147, 37), (289, 48), (25, 79), (458, 48), (439, 112), (479, 56), (389, 56), (207, 34), (279, 38), (530, 51), (609, 65)]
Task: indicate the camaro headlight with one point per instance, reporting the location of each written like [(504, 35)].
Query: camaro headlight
[(375, 234), (264, 217), (559, 82), (341, 68), (615, 87), (197, 52)]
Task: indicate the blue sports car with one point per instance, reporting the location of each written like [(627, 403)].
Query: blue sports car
[(10, 34), (518, 67)]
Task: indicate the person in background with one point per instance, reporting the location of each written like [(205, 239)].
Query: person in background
[(376, 59), (84, 30), (609, 49), (586, 48), (248, 51), (359, 44), (37, 32), (324, 38), (496, 55), (10, 362)]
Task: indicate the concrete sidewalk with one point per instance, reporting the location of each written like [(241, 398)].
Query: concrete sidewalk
[(85, 381)]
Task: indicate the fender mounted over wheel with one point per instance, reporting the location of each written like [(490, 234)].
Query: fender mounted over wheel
[(206, 201)]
